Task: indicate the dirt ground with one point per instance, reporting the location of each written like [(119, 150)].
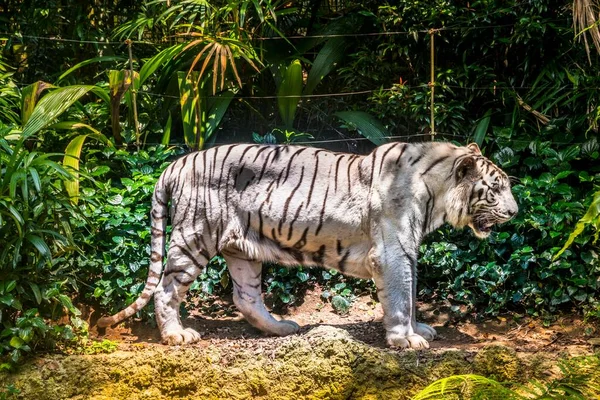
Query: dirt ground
[(221, 325)]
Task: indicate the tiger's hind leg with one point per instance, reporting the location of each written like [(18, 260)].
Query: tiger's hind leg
[(247, 297), (181, 271)]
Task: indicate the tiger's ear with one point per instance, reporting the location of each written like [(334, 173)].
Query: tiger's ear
[(466, 168), (474, 147)]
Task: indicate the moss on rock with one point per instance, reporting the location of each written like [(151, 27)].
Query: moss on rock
[(325, 363), (499, 363)]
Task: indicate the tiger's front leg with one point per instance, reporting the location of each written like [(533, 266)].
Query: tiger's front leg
[(394, 273)]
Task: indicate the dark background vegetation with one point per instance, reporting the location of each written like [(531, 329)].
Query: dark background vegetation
[(508, 74)]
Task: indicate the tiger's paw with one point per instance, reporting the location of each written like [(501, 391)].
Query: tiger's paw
[(285, 327), (413, 341), (180, 336), (426, 331)]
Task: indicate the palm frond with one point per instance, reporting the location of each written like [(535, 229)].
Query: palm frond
[(466, 386), (587, 23)]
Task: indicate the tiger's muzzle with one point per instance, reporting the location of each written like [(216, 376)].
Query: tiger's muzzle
[(483, 220)]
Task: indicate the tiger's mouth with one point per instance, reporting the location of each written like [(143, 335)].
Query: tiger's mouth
[(481, 229), (482, 226)]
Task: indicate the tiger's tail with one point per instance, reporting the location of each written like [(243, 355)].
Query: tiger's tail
[(158, 218)]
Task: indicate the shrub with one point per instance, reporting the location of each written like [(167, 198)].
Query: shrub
[(115, 237), (515, 267), (35, 232)]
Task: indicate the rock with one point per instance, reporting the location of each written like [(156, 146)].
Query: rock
[(324, 363), (499, 363), (594, 341)]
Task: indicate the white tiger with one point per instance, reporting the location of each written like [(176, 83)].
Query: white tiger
[(362, 215)]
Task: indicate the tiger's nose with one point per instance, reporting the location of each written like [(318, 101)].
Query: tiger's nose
[(512, 211)]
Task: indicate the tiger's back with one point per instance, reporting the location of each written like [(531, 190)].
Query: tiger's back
[(285, 204)]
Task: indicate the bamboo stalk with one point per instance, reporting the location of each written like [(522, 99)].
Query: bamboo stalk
[(133, 96), (432, 82)]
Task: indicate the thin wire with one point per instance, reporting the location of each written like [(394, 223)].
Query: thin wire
[(55, 39), (334, 140), (183, 145), (340, 35), (304, 96), (325, 36), (421, 86), (361, 92)]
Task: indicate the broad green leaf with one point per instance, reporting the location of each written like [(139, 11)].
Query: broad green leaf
[(26, 333), (75, 125), (55, 166), (193, 105), (217, 107), (115, 200), (17, 217), (591, 217), (10, 286), (18, 176), (16, 342), (332, 53), (7, 300), (367, 125), (66, 302), (481, 128), (459, 386), (166, 138), (118, 84), (29, 97), (101, 93), (162, 58), (224, 279), (289, 93), (36, 291), (341, 304), (259, 11), (51, 106), (40, 245), (35, 177), (71, 159), (88, 62)]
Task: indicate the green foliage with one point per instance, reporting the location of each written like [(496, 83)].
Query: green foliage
[(9, 392), (591, 217), (532, 107), (115, 237), (200, 113), (284, 136), (213, 280), (341, 291), (368, 126), (516, 267), (9, 98), (35, 229), (53, 104), (77, 340), (288, 95), (465, 387), (286, 284), (578, 380)]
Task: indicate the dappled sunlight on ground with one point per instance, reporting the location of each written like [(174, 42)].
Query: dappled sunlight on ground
[(220, 324)]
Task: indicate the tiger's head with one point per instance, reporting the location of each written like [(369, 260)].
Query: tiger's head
[(482, 196)]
